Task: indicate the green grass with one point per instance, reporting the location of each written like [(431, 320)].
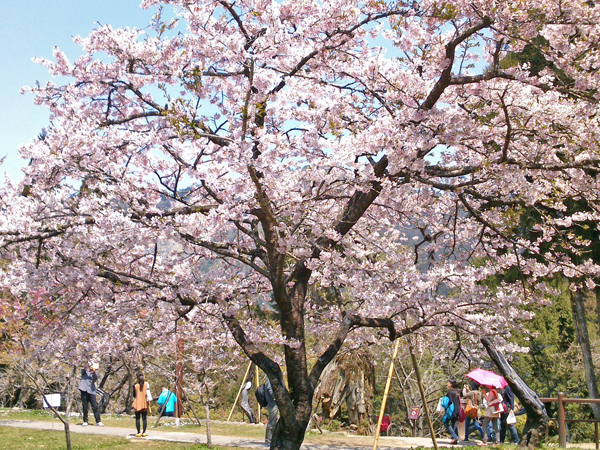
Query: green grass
[(166, 424), (217, 428), (25, 439)]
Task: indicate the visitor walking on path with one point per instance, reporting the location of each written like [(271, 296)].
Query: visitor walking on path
[(492, 413), (141, 397), (473, 395), (87, 387), (451, 405), (509, 406)]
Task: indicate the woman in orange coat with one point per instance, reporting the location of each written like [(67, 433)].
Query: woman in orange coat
[(140, 403)]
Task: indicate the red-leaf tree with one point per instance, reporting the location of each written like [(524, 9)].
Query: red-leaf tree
[(300, 168)]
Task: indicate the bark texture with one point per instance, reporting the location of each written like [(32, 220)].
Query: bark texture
[(537, 417), (578, 299), (349, 379)]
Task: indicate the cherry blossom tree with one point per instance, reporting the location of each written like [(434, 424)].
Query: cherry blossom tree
[(340, 170)]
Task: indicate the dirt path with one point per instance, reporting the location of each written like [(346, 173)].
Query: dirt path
[(352, 442)]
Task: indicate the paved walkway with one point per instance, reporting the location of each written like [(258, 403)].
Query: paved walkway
[(354, 442)]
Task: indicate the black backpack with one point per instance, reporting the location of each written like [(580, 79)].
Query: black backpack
[(261, 395)]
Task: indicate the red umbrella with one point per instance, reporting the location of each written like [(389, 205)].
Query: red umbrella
[(487, 378)]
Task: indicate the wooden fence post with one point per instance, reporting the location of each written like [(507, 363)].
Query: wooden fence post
[(562, 423)]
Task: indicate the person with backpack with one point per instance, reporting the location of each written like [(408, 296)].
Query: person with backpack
[(509, 406), (473, 395), (451, 405), (266, 398)]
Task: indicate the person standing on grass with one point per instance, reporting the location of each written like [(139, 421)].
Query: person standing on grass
[(273, 412), (141, 396), (87, 387)]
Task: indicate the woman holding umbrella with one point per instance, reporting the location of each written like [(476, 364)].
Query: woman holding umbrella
[(493, 401), (490, 381)]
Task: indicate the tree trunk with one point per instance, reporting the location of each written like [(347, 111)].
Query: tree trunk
[(579, 317), (537, 418), (68, 435), (286, 439), (597, 293), (104, 403), (69, 395), (206, 404), (128, 399)]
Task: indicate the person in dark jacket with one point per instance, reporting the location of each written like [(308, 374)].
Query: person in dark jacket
[(87, 388), (273, 412), (451, 405), (509, 405)]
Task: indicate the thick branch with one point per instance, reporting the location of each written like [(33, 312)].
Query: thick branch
[(446, 77), (267, 365), (231, 251), (143, 115), (537, 418), (351, 322), (187, 210)]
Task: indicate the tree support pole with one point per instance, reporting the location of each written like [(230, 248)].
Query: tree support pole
[(256, 387), (385, 394), (240, 391), (179, 383), (422, 391)]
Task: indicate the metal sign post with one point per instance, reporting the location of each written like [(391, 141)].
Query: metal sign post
[(413, 416)]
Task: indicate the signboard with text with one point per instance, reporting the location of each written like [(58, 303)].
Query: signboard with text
[(51, 400), (414, 413)]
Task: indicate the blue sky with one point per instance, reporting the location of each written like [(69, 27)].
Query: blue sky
[(31, 28)]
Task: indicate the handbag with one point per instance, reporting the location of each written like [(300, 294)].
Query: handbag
[(440, 408), (511, 419), (148, 394), (499, 407), (470, 410)]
